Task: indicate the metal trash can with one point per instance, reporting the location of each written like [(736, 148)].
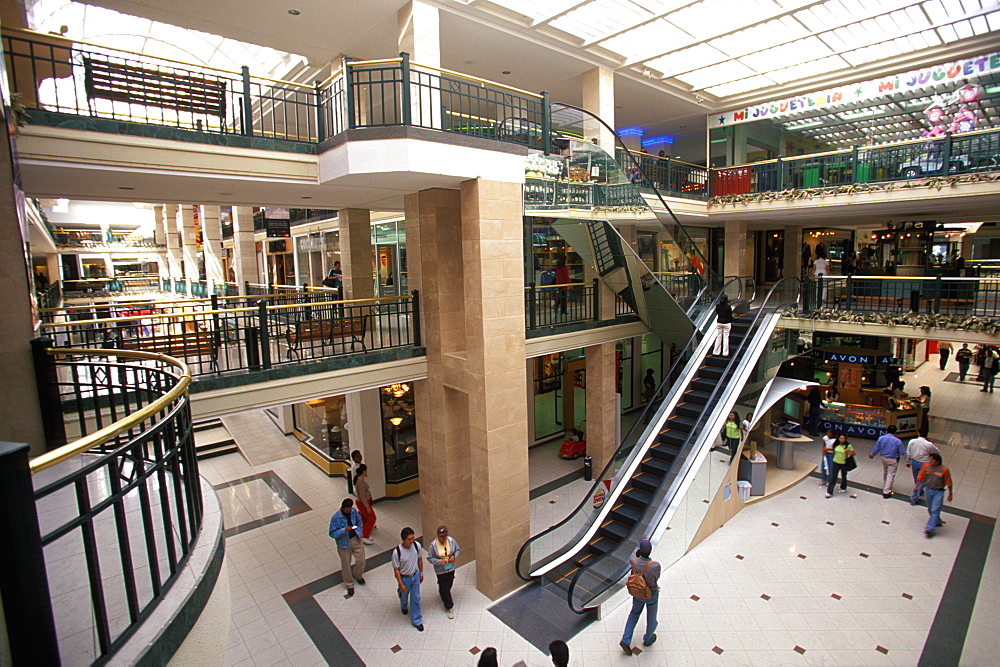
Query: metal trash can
[(743, 488), (588, 468)]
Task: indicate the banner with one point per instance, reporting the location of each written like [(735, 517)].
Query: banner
[(865, 91)]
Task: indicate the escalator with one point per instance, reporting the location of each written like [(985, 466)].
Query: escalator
[(581, 559)]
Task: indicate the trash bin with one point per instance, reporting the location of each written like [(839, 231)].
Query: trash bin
[(743, 488), (588, 468)]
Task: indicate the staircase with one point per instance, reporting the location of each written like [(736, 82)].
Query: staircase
[(211, 439)]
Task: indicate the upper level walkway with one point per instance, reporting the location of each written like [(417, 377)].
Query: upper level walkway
[(166, 126)]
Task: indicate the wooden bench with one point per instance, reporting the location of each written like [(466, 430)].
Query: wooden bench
[(190, 345), (327, 331), (120, 82)]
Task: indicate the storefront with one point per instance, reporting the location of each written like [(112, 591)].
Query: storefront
[(390, 275), (399, 440), (321, 425)]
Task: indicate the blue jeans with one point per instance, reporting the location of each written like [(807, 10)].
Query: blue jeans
[(412, 594), (915, 467), (935, 499), (825, 467), (633, 618)]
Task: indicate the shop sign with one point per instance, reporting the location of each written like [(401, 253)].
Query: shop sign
[(907, 423), (853, 429), (599, 497), (847, 358), (865, 91), (277, 223)]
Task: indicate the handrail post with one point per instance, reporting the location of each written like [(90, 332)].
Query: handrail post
[(850, 291), (216, 321), (779, 181), (854, 164), (263, 335), (246, 288), (532, 311), (404, 75), (806, 294), (596, 301), (417, 340), (247, 103), (546, 123), (24, 584), (47, 383), (819, 291), (320, 131), (348, 94), (937, 296), (946, 156), (669, 181)]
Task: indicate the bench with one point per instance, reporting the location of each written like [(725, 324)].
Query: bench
[(132, 84), (195, 344), (327, 331)]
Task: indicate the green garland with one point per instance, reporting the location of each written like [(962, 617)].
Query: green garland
[(975, 323)]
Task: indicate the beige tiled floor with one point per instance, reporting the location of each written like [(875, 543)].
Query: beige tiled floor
[(730, 613)]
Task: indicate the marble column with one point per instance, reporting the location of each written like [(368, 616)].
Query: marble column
[(471, 415), (356, 253), (211, 236), (189, 241), (160, 239), (244, 247), (735, 258), (419, 34), (792, 257), (602, 414), (599, 99), (173, 241)]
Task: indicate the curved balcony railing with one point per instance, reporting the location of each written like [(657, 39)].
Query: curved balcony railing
[(120, 507)]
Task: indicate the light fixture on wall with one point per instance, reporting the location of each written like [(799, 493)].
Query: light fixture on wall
[(395, 421), (397, 389)]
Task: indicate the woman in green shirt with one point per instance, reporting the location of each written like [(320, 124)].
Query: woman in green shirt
[(842, 451), (732, 433)]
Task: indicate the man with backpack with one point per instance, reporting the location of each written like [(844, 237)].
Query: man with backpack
[(643, 585)]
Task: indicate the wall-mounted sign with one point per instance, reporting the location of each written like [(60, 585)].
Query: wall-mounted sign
[(864, 91), (851, 358), (277, 223)]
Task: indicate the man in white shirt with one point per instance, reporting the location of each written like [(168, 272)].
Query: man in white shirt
[(918, 452)]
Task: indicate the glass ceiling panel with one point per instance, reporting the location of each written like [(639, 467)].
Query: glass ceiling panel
[(716, 74), (535, 10), (647, 41), (686, 60), (601, 18)]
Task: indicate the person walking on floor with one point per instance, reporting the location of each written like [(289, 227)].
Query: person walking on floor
[(345, 527), (408, 566), (559, 652), (649, 570), (733, 434), (964, 358), (364, 496), (891, 449), (815, 403), (442, 554), (989, 369), (936, 477), (944, 350), (826, 461), (842, 452), (918, 452), (723, 324)]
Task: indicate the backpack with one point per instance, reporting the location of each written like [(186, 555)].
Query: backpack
[(636, 583)]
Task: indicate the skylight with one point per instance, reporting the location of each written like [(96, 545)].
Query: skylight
[(725, 47)]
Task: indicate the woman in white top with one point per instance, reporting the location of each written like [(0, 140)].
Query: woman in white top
[(826, 461)]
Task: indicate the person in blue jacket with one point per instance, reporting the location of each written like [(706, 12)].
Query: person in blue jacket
[(345, 528)]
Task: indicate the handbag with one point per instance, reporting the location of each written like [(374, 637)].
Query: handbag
[(851, 464)]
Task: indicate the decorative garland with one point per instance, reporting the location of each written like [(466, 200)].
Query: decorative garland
[(936, 182), (974, 323)]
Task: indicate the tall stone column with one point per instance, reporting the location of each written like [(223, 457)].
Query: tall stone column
[(356, 253), (599, 98), (792, 259), (211, 237), (419, 30), (54, 267), (160, 239), (735, 259), (20, 413), (602, 416), (173, 241), (244, 248), (189, 241), (471, 415)]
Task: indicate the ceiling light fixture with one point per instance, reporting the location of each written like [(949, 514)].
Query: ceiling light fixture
[(294, 12)]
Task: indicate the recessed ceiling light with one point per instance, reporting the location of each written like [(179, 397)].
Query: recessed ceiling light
[(307, 197), (227, 193), (294, 12), (125, 187), (506, 71)]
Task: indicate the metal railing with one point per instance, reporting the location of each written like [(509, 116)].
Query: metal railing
[(553, 305), (224, 335), (123, 511), (902, 294)]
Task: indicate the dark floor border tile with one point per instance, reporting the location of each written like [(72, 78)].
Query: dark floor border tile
[(278, 486), (549, 487), (950, 627), (329, 641)]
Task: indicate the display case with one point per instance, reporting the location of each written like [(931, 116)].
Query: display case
[(867, 421)]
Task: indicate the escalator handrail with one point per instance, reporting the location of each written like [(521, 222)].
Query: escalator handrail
[(618, 140), (695, 433), (677, 366)]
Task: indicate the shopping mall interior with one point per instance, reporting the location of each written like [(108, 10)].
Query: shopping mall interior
[(487, 247)]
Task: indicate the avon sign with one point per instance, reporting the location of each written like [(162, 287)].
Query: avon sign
[(864, 91), (848, 358)]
